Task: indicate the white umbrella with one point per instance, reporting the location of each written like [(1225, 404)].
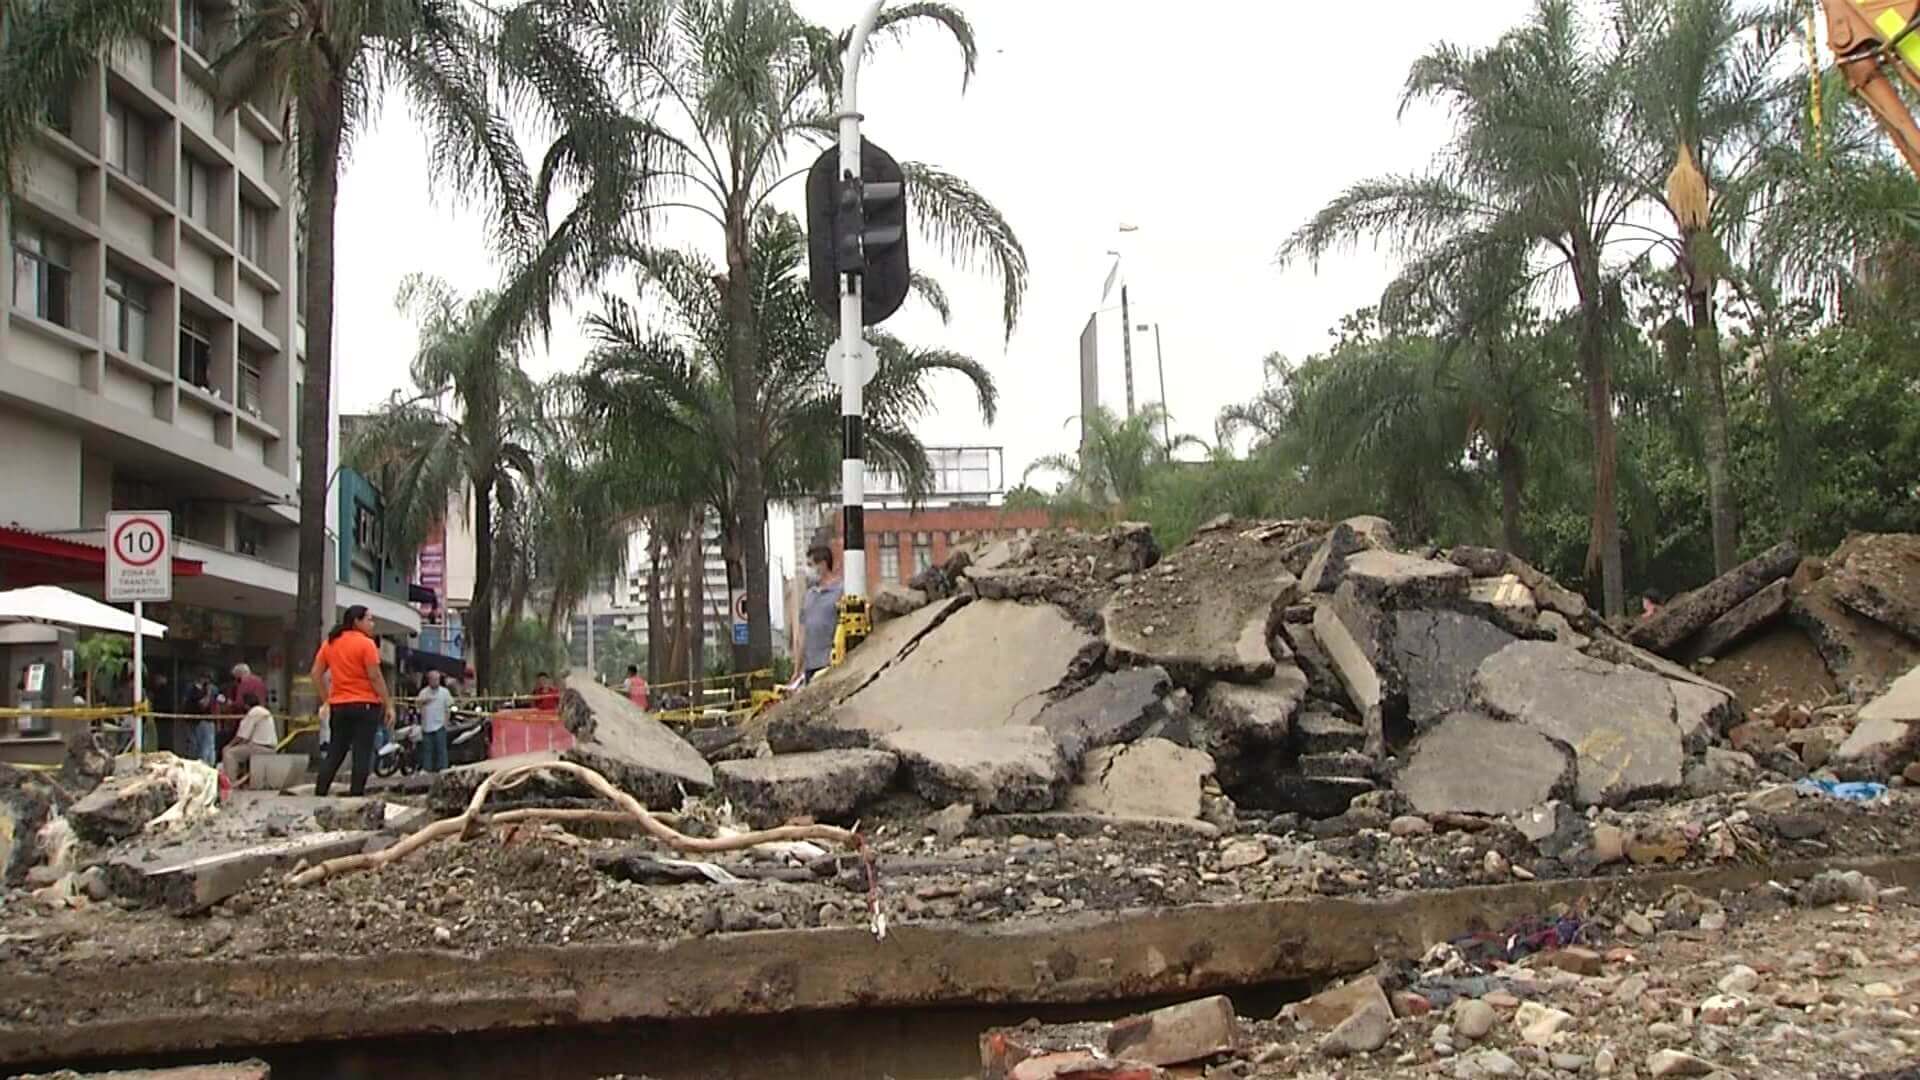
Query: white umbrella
[(53, 604)]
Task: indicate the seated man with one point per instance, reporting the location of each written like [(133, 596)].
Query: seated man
[(256, 736)]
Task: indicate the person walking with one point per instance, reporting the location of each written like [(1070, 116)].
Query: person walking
[(636, 686), (348, 667), (435, 702), (819, 612), (257, 735), (201, 700)]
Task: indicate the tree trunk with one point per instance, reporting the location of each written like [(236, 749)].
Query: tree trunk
[(1709, 371), (656, 623), (1510, 464), (1598, 376), (750, 492), (322, 121), (480, 611), (736, 578)]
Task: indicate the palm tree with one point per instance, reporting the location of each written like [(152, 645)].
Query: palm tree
[(662, 399), (1117, 458), (46, 48), (462, 434), (1540, 159), (721, 93)]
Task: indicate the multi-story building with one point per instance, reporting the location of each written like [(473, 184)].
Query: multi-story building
[(150, 345), (621, 607)]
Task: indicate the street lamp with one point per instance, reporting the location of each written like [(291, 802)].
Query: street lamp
[(1160, 362), (1126, 320)]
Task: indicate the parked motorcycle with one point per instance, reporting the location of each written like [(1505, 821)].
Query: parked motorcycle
[(469, 737), (401, 754)]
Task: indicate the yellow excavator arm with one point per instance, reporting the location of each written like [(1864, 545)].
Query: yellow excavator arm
[(1869, 37)]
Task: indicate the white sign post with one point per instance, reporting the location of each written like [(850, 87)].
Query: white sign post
[(139, 569)]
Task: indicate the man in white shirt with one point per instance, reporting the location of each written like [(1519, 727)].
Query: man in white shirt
[(256, 736), (435, 702)]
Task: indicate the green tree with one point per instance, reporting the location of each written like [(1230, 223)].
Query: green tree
[(1539, 159), (725, 92), (1116, 460), (462, 434), (100, 658), (45, 49), (613, 653)]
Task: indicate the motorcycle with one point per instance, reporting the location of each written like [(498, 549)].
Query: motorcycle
[(469, 738), (401, 754)]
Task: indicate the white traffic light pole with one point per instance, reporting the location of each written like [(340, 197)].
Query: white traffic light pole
[(853, 467)]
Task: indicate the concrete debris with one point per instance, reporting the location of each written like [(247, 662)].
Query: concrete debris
[(1508, 598), (1203, 612), (1362, 1033), (1437, 653), (826, 785), (198, 880), (1328, 1009), (620, 741), (1244, 718), (27, 802), (1745, 619), (893, 601), (1618, 722), (1177, 1034), (1009, 769), (1879, 577), (240, 1070), (1357, 674), (1118, 707), (163, 790), (1886, 733), (1153, 778), (1393, 579), (1328, 566), (1693, 612), (795, 724)]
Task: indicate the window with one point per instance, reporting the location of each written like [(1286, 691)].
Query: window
[(42, 274), (251, 365), (60, 111), (127, 307), (922, 552), (196, 26), (249, 536), (196, 191), (196, 353), (889, 557), (126, 140), (253, 233)]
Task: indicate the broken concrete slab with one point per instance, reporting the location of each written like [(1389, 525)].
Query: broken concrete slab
[(1394, 579), (827, 785), (276, 772), (1437, 652), (1506, 595), (1077, 824), (893, 601), (1323, 682), (1689, 614), (622, 742), (787, 723), (1324, 733), (1886, 733), (1548, 594), (989, 665), (1878, 575), (27, 802), (1330, 1008), (1701, 713), (1748, 617), (1862, 655), (1152, 778), (1469, 763), (1118, 707), (453, 788), (1619, 721), (1346, 539), (1245, 717), (1007, 769), (122, 806), (197, 880), (1318, 797), (1356, 673), (1555, 627), (1189, 1031), (1204, 612)]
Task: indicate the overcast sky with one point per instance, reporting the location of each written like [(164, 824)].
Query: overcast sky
[(1215, 126)]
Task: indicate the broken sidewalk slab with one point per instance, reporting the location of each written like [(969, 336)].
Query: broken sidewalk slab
[(198, 880), (1348, 538), (1247, 717), (1152, 778), (1394, 579), (1008, 769), (894, 601), (453, 788), (1473, 764), (1878, 575), (1689, 614), (1618, 721), (1177, 1034), (1437, 652), (1548, 594), (1356, 672), (1118, 707), (1886, 734), (789, 722), (1862, 655), (622, 742), (1324, 733), (1204, 612), (1701, 713), (1747, 618), (987, 666), (161, 790), (827, 785)]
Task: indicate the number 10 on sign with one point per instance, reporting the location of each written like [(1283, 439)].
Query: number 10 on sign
[(139, 568)]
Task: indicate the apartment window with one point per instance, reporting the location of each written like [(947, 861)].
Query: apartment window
[(249, 536), (922, 552), (253, 233), (127, 308), (251, 365), (889, 557), (42, 273), (126, 140), (196, 26), (196, 191), (60, 111), (196, 352)]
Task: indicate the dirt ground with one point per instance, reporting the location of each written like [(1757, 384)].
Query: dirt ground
[(1778, 668)]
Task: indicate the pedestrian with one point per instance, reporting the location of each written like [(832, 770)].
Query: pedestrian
[(165, 704), (435, 701), (546, 696), (635, 686), (819, 611), (348, 668), (257, 735), (1651, 602), (201, 700), (245, 682)]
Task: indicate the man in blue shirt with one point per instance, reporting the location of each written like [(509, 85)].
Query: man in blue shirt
[(819, 612), (435, 702)]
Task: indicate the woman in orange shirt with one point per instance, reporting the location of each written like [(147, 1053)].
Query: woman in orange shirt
[(347, 669)]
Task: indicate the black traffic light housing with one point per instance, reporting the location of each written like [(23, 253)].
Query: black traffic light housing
[(858, 226)]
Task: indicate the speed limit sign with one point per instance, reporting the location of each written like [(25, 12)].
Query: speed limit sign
[(139, 555)]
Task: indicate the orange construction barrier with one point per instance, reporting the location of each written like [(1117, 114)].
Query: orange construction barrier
[(525, 731)]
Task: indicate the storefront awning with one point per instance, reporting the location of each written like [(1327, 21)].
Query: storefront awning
[(31, 558)]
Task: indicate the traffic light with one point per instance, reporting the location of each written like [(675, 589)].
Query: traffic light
[(858, 226)]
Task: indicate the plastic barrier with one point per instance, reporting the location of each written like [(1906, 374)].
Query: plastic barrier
[(525, 731)]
